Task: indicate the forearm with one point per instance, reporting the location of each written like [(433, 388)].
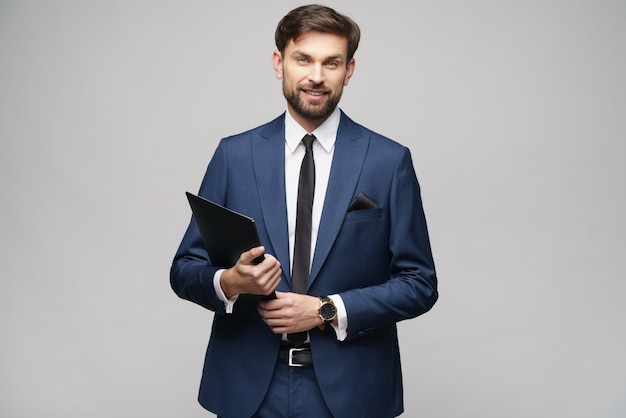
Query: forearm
[(388, 303), (193, 280)]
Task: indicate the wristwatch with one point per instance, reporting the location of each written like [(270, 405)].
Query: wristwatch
[(327, 310)]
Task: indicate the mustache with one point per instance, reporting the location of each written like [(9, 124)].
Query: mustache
[(311, 86)]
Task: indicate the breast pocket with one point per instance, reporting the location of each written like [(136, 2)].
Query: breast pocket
[(358, 215)]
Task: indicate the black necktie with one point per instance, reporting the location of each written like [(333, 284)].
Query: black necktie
[(304, 215)]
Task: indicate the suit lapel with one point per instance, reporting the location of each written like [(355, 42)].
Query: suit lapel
[(268, 156), (269, 167), (350, 150)]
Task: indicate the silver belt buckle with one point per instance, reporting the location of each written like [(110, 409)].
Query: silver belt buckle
[(291, 351)]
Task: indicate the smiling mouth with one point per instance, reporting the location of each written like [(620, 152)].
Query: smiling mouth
[(314, 93)]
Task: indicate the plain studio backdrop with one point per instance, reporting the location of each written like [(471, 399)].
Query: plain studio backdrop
[(515, 114)]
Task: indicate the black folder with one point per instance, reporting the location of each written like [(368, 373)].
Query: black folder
[(225, 233)]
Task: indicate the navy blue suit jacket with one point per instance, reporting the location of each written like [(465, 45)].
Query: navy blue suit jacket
[(379, 261)]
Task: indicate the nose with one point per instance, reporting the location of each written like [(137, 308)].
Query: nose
[(316, 76)]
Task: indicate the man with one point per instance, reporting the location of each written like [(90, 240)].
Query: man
[(330, 347)]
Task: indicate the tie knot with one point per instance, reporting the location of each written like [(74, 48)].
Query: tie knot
[(308, 141)]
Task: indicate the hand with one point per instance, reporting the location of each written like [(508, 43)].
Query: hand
[(245, 277), (290, 312)]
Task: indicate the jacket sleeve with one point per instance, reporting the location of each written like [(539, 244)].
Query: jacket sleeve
[(191, 274)]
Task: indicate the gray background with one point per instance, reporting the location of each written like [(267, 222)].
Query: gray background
[(515, 113)]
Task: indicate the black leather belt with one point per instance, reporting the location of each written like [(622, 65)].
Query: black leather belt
[(296, 356)]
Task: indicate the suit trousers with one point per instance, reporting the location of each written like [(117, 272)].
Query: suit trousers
[(293, 393)]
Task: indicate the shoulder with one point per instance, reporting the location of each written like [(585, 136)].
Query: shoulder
[(267, 130), (354, 130)]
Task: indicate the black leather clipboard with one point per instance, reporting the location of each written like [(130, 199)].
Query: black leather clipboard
[(225, 233)]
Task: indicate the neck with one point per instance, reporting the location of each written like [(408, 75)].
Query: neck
[(309, 125)]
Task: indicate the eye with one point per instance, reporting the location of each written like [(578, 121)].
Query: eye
[(302, 60), (332, 64)]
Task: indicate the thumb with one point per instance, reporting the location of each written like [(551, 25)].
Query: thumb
[(249, 256)]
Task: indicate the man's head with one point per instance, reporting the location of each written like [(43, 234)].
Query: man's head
[(316, 18), (315, 60)]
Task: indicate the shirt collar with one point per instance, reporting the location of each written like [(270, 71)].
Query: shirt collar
[(325, 134)]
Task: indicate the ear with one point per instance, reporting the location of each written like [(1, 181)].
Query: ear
[(349, 71), (277, 63)]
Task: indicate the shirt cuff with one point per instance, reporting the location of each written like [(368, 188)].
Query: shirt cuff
[(342, 318), (229, 304)]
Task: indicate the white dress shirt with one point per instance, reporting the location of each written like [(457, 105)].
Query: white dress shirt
[(323, 149)]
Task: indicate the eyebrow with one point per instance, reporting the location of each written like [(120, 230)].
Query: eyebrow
[(336, 57)]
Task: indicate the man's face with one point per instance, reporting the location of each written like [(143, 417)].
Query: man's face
[(314, 70)]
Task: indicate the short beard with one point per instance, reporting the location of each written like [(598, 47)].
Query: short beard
[(311, 112)]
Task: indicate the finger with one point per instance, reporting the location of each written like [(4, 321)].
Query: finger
[(249, 256), (269, 304)]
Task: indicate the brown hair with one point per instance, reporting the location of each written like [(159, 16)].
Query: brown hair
[(317, 18)]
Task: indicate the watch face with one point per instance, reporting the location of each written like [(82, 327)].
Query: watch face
[(328, 311)]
